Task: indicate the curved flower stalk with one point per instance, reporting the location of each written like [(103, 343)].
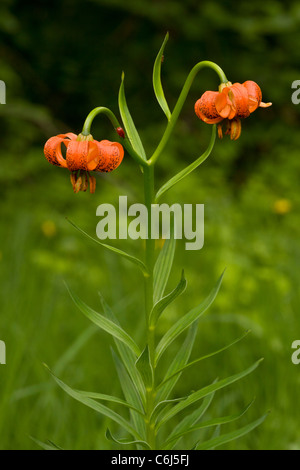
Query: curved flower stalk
[(147, 399)]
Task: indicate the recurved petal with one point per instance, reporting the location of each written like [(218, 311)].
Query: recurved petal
[(77, 153), (52, 151), (254, 94), (205, 108), (239, 96), (110, 155), (69, 135)]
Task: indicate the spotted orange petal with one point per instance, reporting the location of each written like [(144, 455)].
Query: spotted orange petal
[(110, 156), (233, 102), (52, 149), (255, 96), (205, 108), (82, 155)]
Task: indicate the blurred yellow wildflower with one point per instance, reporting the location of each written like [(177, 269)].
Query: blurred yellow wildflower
[(49, 228), (282, 206)]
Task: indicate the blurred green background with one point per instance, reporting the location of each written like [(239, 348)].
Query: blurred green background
[(60, 59)]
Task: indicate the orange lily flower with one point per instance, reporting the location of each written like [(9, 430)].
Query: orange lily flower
[(83, 154), (231, 103)]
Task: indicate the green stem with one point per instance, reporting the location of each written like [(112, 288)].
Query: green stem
[(86, 130), (149, 261), (150, 244), (181, 101)]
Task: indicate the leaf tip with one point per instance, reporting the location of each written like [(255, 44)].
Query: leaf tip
[(46, 367)]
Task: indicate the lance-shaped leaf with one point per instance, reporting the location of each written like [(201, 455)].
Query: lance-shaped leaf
[(160, 306), (163, 266), (186, 171), (196, 396), (186, 321), (209, 423), (128, 358), (121, 253), (161, 407), (49, 445), (144, 367), (110, 398), (158, 89), (190, 420), (125, 441), (131, 394), (231, 436), (207, 356), (95, 405), (180, 359), (105, 324), (130, 128)]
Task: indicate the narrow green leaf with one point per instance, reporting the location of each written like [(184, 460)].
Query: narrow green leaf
[(196, 396), (187, 320), (95, 405), (210, 423), (130, 128), (103, 397), (144, 367), (163, 266), (46, 445), (161, 407), (190, 420), (131, 395), (186, 171), (207, 356), (158, 89), (180, 359), (111, 438), (231, 436), (160, 306), (105, 324), (127, 356), (121, 253)]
